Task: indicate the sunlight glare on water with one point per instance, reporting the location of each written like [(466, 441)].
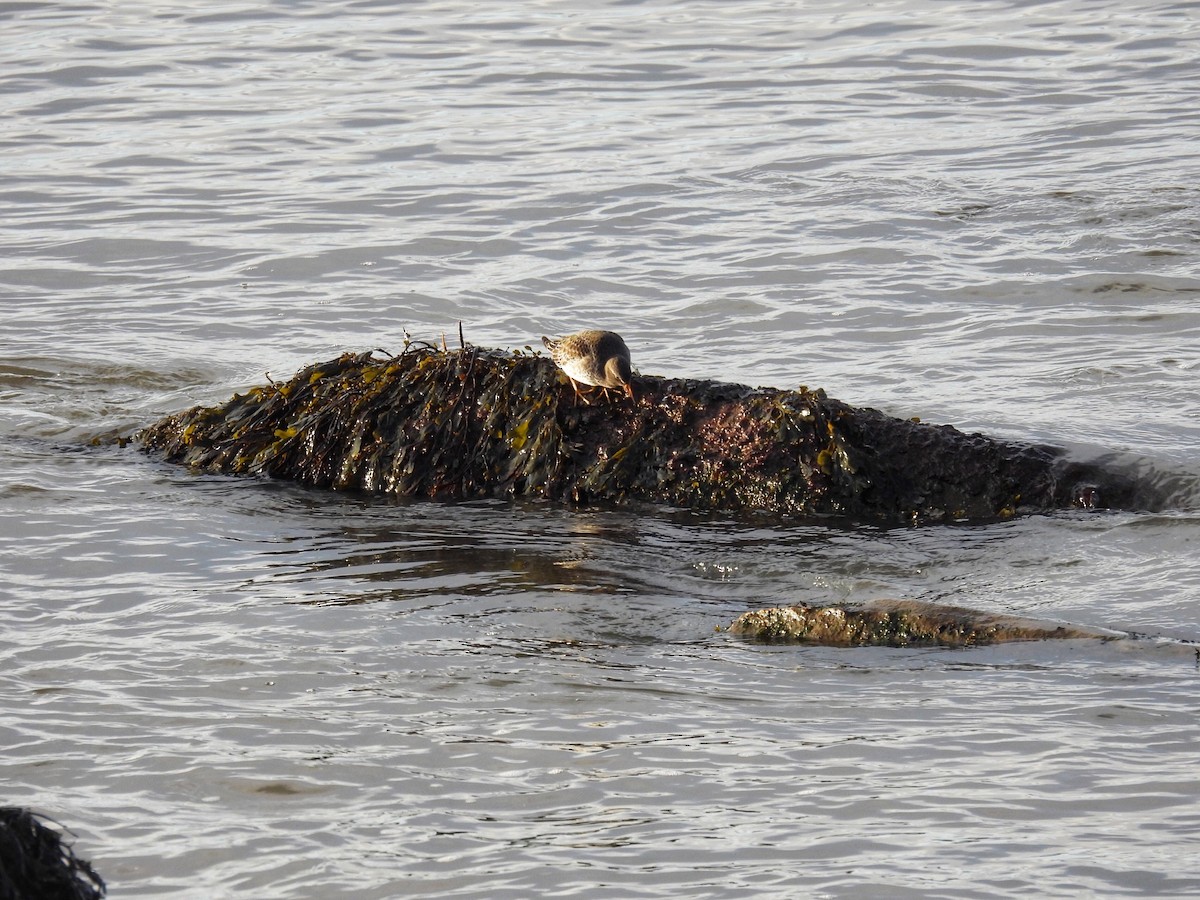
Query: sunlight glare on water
[(984, 215)]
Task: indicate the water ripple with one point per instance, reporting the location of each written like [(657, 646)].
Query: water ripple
[(984, 215)]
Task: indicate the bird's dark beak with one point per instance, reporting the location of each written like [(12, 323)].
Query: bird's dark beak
[(629, 390)]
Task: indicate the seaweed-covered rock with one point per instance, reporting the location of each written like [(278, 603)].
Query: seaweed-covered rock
[(35, 862), (475, 423), (899, 623)]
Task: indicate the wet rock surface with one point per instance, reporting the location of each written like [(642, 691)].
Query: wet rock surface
[(474, 423), (899, 623)]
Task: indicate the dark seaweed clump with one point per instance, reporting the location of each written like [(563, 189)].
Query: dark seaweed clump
[(475, 423), (35, 864), (483, 423)]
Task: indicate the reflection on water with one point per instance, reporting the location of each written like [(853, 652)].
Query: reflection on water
[(229, 687), (428, 697)]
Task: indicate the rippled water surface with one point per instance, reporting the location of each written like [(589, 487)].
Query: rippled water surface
[(984, 214)]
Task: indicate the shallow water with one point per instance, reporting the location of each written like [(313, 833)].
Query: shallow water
[(979, 214)]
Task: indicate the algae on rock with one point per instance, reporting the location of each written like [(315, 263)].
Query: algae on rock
[(896, 623), (476, 423)]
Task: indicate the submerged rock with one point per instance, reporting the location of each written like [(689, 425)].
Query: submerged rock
[(475, 423), (900, 623)]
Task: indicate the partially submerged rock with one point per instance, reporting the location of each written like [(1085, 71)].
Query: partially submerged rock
[(35, 861), (476, 423), (899, 623)]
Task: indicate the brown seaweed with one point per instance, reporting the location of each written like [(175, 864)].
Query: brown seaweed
[(474, 423), (897, 623)]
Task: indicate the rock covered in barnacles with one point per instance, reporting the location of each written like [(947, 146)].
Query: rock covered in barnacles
[(475, 423), (899, 623)]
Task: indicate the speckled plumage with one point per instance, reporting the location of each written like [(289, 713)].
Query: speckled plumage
[(595, 358)]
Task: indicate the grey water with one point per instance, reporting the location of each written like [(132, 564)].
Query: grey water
[(983, 214)]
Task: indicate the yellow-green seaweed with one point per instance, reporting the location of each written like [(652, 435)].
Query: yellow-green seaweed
[(900, 623), (474, 423)]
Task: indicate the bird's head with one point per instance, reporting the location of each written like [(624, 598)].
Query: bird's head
[(618, 374)]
